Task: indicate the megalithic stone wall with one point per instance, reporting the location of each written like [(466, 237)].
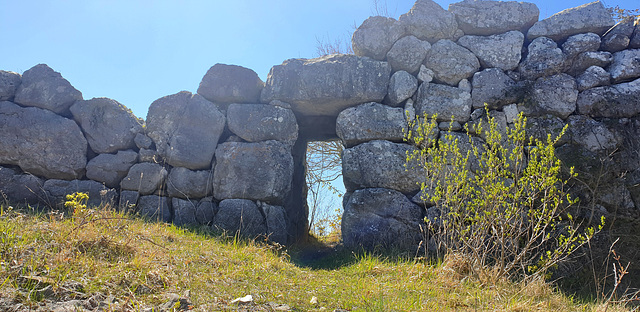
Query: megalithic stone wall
[(232, 156)]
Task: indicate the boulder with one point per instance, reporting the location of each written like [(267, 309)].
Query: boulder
[(585, 60), (544, 59), (145, 178), (230, 84), (428, 21), (327, 85), (616, 198), (590, 134), (110, 169), (580, 43), (206, 211), (494, 88), (378, 217), (186, 129), (44, 88), (511, 112), (593, 77), (21, 188), (425, 74), (486, 18), (375, 36), (616, 101), (401, 87), (634, 42), (555, 95), (380, 164), (408, 54), (128, 201), (448, 102), (187, 184), (276, 219), (450, 62), (619, 36), (41, 142), (143, 141), (240, 217), (625, 65), (258, 171), (9, 82), (539, 128), (262, 122), (591, 17), (57, 191), (154, 208), (149, 155), (501, 51), (184, 212), (370, 121), (108, 125)]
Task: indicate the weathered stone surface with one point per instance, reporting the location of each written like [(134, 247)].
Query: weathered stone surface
[(378, 217), (154, 208), (149, 155), (230, 84), (591, 134), (450, 62), (615, 43), (510, 112), (616, 198), (108, 125), (493, 87), (616, 101), (379, 164), (240, 216), (276, 219), (21, 188), (327, 85), (408, 54), (145, 178), (625, 65), (445, 101), (593, 77), (544, 59), (618, 37), (41, 142), (429, 21), (592, 17), (128, 200), (494, 17), (186, 129), (425, 74), (375, 36), (540, 127), (579, 43), (206, 211), (44, 88), (111, 168), (370, 121), (259, 171), (184, 212), (142, 141), (634, 43), (401, 87), (555, 95), (9, 82), (262, 122), (57, 190), (501, 51), (587, 59), (185, 183)]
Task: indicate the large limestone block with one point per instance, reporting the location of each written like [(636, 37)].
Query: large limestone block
[(375, 37), (21, 188), (57, 191), (258, 171), (276, 218), (111, 168), (594, 76), (616, 101), (555, 95), (447, 102), (41, 142), (544, 59), (184, 212), (500, 51), (108, 125), (9, 82), (486, 18), (450, 62), (230, 84), (590, 134), (185, 183), (494, 88), (370, 121), (401, 87), (587, 59), (625, 65), (262, 122), (327, 85), (580, 43), (240, 216), (380, 164), (378, 217), (591, 17), (408, 54), (155, 208), (45, 88), (618, 37), (145, 178), (186, 129), (427, 20)]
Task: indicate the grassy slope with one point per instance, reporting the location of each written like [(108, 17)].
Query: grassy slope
[(141, 263)]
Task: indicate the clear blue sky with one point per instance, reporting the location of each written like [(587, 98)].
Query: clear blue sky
[(138, 51)]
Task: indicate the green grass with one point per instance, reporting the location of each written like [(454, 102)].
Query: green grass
[(141, 263)]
